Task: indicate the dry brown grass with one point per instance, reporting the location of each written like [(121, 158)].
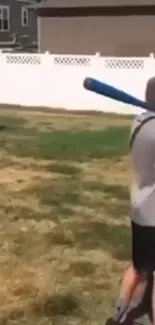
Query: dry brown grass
[(63, 217)]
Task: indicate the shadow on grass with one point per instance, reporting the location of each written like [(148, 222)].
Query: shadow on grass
[(64, 194), (86, 235), (48, 307), (63, 168), (110, 190), (66, 145), (58, 304), (12, 122), (114, 239), (59, 193), (62, 197), (117, 210)]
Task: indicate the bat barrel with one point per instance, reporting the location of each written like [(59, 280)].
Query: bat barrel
[(104, 89)]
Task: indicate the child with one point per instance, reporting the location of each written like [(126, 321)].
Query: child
[(142, 208)]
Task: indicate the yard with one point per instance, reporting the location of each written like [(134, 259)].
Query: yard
[(64, 216)]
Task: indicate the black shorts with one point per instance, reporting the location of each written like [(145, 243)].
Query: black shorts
[(143, 248)]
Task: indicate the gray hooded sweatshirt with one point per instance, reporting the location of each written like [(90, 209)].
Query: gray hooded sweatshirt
[(143, 163)]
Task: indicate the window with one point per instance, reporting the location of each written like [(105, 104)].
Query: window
[(4, 18), (25, 17)]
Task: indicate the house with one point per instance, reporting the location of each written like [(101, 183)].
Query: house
[(18, 25), (111, 27)]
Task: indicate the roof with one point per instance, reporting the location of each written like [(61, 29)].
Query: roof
[(89, 3)]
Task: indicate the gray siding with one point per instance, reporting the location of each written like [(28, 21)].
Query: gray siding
[(109, 35), (16, 24)]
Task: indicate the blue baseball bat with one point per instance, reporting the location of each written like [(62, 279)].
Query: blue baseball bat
[(104, 89)]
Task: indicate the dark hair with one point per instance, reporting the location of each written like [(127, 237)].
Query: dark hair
[(150, 91)]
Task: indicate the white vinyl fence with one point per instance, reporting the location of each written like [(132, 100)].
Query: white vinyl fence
[(56, 81)]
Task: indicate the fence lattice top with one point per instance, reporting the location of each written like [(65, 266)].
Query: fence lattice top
[(124, 63), (23, 59), (72, 61), (75, 61)]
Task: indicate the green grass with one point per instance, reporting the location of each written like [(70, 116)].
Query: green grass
[(69, 145), (64, 216)]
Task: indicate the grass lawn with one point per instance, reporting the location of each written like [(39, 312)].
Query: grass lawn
[(64, 216)]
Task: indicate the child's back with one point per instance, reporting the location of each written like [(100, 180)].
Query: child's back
[(143, 163), (143, 187)]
